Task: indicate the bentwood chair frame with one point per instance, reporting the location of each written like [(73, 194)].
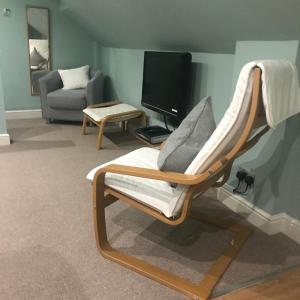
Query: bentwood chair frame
[(104, 195)]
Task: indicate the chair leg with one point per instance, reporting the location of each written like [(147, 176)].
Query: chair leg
[(200, 290), (144, 119), (219, 267), (123, 126), (84, 123), (100, 135)]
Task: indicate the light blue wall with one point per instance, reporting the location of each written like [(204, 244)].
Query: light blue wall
[(256, 50), (2, 111), (71, 46), (124, 67), (274, 161), (214, 78)]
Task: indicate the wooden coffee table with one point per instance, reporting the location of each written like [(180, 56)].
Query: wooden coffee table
[(110, 112)]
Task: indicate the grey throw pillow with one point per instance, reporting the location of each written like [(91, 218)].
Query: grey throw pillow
[(36, 58), (186, 141)]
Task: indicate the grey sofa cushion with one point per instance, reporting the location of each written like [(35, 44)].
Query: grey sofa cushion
[(67, 99), (36, 58), (185, 142)]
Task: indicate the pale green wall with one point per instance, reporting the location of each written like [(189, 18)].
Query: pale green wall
[(274, 161), (124, 67), (2, 111), (214, 78), (71, 47), (256, 50)]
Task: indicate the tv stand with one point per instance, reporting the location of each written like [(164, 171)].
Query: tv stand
[(153, 134)]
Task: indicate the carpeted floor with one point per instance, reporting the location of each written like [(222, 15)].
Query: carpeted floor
[(47, 246)]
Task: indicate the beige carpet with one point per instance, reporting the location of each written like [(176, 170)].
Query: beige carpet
[(47, 246)]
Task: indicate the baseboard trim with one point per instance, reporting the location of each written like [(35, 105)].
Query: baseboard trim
[(23, 114), (4, 139), (270, 224)]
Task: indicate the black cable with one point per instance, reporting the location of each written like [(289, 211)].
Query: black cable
[(240, 175), (248, 179)]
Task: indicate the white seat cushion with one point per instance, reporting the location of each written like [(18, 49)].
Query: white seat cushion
[(155, 193), (100, 113), (230, 127)]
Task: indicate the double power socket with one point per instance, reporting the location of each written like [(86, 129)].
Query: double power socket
[(245, 182)]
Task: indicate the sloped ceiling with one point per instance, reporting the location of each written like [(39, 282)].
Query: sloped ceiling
[(195, 25)]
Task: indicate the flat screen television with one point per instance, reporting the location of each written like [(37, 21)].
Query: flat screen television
[(166, 83)]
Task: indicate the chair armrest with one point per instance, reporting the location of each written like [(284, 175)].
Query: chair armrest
[(35, 77), (47, 84), (162, 145), (173, 177), (50, 82), (104, 104), (95, 88)]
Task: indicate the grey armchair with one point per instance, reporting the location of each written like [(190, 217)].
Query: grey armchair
[(59, 104)]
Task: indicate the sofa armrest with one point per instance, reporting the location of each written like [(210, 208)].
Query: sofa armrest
[(35, 77), (95, 88), (47, 84), (50, 82)]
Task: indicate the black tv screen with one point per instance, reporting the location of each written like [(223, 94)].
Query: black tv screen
[(166, 82)]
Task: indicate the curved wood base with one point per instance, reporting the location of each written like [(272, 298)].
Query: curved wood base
[(201, 290)]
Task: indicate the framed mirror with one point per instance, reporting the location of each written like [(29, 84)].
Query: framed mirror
[(38, 45)]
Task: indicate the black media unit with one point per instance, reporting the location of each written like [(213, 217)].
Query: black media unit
[(153, 134)]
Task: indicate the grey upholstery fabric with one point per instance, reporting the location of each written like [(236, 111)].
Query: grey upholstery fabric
[(35, 77), (49, 83), (67, 110), (186, 141), (95, 88), (67, 99), (36, 58)]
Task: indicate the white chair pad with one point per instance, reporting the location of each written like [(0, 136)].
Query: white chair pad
[(100, 113), (155, 193)]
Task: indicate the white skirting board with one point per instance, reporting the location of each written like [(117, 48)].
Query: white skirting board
[(4, 139), (270, 224), (23, 114)]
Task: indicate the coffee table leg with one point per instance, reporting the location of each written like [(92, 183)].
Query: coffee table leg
[(84, 122), (124, 126), (144, 119), (100, 134)]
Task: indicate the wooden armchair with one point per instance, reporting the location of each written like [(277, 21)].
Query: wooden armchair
[(215, 175)]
